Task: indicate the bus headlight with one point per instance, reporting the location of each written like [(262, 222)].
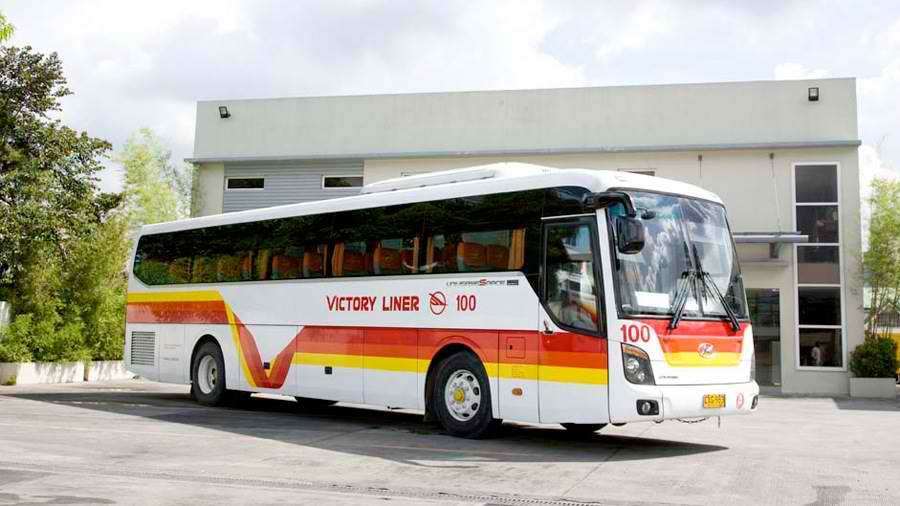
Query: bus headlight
[(636, 364)]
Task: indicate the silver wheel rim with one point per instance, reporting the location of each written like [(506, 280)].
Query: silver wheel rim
[(207, 374), (462, 395)]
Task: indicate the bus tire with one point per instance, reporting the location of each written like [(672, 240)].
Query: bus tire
[(208, 376), (583, 428), (462, 397)]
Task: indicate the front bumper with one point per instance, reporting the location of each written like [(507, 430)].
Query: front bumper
[(686, 401)]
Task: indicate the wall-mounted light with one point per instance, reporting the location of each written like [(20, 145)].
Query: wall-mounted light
[(223, 112), (813, 94)]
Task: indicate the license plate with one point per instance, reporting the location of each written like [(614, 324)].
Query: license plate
[(714, 401)]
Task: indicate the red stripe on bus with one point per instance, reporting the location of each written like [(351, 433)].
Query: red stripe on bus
[(212, 312)]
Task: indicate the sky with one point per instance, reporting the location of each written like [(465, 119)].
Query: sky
[(146, 64)]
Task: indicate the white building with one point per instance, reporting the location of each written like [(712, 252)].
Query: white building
[(781, 154)]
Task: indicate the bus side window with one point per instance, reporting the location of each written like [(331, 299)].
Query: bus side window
[(286, 264), (314, 261), (440, 254), (395, 256), (351, 259), (570, 288)]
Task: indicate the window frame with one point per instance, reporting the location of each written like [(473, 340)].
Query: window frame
[(842, 327), (342, 188), (229, 178), (591, 221)]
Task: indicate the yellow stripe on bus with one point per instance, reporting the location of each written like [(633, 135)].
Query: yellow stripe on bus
[(392, 364), (693, 359), (581, 375), (189, 296), (328, 359)]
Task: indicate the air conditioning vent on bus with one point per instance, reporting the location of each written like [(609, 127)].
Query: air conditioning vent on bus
[(489, 171), (143, 348)]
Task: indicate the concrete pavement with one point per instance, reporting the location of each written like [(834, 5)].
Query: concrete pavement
[(143, 443)]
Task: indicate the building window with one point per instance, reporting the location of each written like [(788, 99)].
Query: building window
[(245, 183), (643, 172), (765, 314), (332, 182), (820, 341)]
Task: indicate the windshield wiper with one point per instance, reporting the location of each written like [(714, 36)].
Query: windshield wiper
[(710, 286), (681, 296)]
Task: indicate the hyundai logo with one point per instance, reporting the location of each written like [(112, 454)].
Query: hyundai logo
[(706, 350)]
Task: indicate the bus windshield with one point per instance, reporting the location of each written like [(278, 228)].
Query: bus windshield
[(679, 233)]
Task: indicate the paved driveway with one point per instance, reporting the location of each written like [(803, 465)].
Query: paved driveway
[(144, 443)]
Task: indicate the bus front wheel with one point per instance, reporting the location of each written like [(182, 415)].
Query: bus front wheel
[(462, 397), (208, 375)]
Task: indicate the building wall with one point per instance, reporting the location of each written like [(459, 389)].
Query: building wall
[(743, 179), (532, 121), (208, 197), (287, 182)]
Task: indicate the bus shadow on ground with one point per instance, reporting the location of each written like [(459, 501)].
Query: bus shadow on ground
[(393, 435)]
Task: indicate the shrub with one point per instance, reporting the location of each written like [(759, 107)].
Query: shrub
[(876, 357), (15, 343)]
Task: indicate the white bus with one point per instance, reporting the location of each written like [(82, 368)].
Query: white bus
[(506, 291)]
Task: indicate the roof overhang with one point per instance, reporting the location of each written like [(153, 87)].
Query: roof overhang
[(853, 143), (773, 239)]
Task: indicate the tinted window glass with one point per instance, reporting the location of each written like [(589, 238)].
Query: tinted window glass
[(564, 201), (821, 348), (820, 223), (342, 181), (818, 264), (571, 291), (819, 306), (816, 183), (480, 233), (246, 183)]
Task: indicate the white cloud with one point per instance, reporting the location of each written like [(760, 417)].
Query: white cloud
[(146, 64), (646, 21), (790, 71)]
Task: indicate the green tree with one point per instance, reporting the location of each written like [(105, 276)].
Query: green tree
[(48, 192), (882, 260), (6, 28), (63, 244), (155, 189)]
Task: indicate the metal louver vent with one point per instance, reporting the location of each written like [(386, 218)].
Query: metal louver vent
[(143, 348)]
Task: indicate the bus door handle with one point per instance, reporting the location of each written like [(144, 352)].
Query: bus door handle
[(547, 330)]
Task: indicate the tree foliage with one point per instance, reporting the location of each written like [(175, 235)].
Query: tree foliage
[(6, 29), (48, 193), (63, 244), (156, 190), (882, 260)]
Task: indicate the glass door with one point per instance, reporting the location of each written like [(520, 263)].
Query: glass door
[(765, 314)]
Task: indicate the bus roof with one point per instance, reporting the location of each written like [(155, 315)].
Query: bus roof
[(482, 180)]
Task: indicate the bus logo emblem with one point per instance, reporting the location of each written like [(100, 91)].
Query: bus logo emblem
[(437, 302), (706, 350)]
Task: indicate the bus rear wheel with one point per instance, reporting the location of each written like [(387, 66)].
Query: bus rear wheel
[(208, 375), (462, 397)]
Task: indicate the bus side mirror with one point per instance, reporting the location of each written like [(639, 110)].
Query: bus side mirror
[(629, 235)]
